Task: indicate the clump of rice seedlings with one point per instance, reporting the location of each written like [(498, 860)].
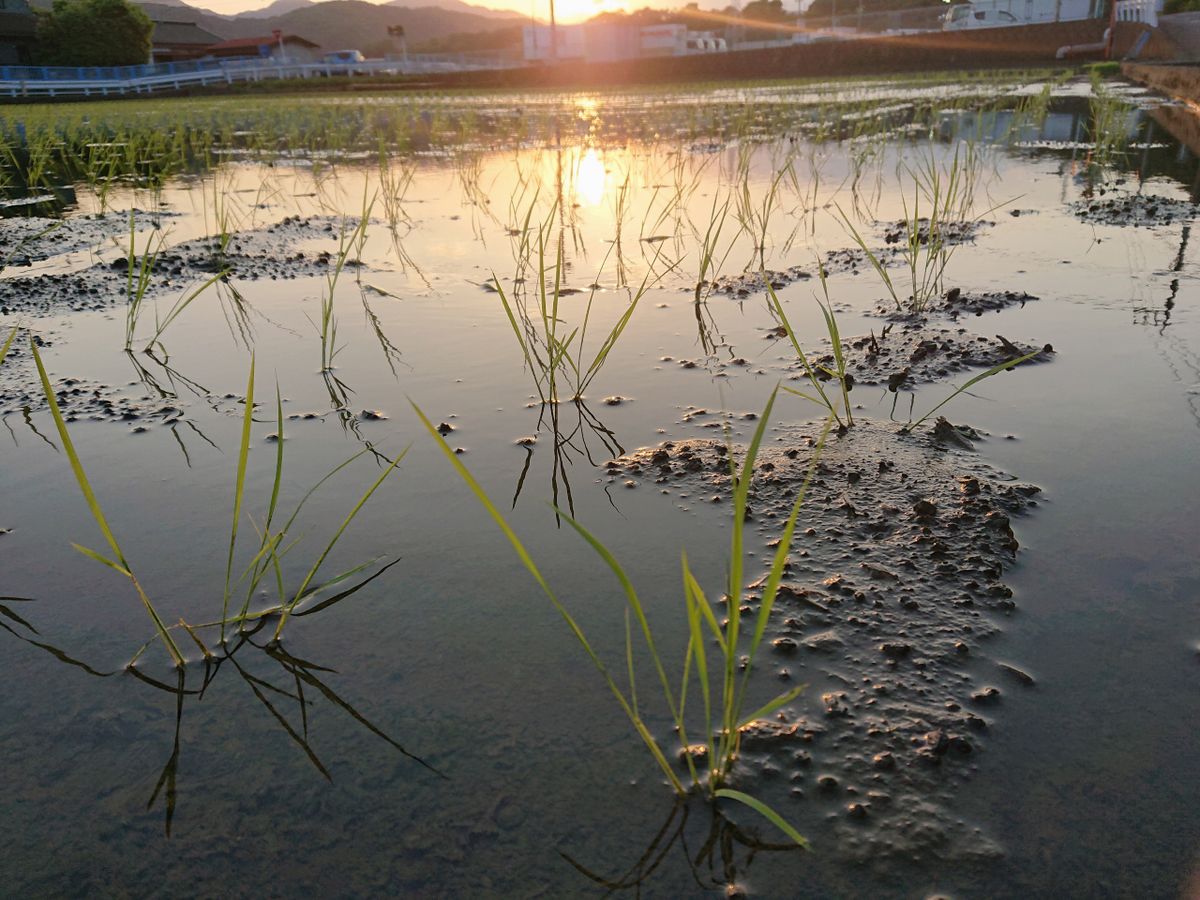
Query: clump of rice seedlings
[(395, 179), (347, 242), (722, 680), (273, 544), (555, 355), (139, 274), (940, 199), (710, 265), (755, 218), (815, 373)]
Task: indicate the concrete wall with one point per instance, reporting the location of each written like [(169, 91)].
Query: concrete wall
[(1181, 82), (1026, 46)]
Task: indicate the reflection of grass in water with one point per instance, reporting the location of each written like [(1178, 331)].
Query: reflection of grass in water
[(273, 545), (307, 679), (568, 445), (715, 863), (723, 703), (1107, 128)]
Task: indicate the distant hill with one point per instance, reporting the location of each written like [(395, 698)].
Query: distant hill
[(278, 8), (345, 24), (460, 6)]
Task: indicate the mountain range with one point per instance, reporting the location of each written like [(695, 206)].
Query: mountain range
[(337, 24)]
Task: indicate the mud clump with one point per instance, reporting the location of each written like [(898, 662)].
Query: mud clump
[(739, 286), (918, 352), (891, 593), (957, 302), (947, 233), (1137, 210)]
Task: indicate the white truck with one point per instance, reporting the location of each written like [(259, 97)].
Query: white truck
[(1001, 13)]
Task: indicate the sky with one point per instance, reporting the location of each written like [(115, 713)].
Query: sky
[(565, 10)]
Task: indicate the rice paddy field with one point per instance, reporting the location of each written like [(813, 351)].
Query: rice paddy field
[(782, 490)]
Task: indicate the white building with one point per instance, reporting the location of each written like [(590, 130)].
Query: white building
[(609, 41)]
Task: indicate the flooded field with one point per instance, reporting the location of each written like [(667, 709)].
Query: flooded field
[(911, 368)]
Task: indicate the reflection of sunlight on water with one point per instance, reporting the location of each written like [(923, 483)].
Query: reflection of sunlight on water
[(589, 179)]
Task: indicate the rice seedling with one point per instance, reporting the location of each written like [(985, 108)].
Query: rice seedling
[(268, 556), (723, 687), (1109, 125), (817, 374), (185, 300), (710, 266)]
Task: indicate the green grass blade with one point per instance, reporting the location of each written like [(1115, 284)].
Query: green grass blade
[(481, 495), (336, 537), (994, 370), (771, 589), (782, 700), (631, 596), (94, 505), (92, 554), (239, 488), (766, 812), (8, 344)]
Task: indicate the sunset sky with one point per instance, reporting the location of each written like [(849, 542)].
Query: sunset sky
[(565, 10)]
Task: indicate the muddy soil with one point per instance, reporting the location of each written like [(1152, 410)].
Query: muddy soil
[(892, 592), (270, 252), (1138, 210), (905, 354)]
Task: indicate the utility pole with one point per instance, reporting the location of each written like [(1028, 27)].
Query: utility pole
[(553, 35)]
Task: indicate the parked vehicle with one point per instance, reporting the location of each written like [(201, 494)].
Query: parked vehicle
[(345, 61), (1002, 13)]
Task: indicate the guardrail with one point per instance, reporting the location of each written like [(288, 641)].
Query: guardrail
[(1145, 11), (43, 81)]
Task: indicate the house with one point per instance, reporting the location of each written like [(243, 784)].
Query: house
[(173, 41), (282, 47), (18, 31)]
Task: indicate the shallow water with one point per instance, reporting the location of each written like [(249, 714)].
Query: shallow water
[(1085, 785)]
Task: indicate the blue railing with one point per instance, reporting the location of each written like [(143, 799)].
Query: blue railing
[(105, 73)]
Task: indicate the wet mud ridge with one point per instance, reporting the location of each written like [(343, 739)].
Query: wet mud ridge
[(893, 589), (271, 252)]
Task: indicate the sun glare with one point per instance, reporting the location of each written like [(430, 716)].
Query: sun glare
[(589, 179), (568, 11)]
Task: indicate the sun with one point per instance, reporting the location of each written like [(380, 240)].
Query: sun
[(569, 11)]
